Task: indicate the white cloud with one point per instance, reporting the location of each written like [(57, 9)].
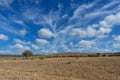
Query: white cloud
[(105, 10), (116, 43), (45, 32), (18, 21), (6, 52), (86, 43), (48, 51), (18, 41), (5, 3), (20, 47), (35, 47), (112, 3), (102, 30), (3, 37), (117, 38), (80, 9), (107, 24), (31, 15), (65, 47), (64, 16), (111, 20), (103, 50), (42, 41), (89, 32), (23, 32), (8, 28)]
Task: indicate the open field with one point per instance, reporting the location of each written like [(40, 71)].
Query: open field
[(82, 68)]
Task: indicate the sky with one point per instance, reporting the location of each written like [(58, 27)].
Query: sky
[(55, 26)]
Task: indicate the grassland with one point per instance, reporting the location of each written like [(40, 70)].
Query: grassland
[(82, 68)]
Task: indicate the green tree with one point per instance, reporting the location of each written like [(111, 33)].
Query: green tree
[(27, 53), (98, 54)]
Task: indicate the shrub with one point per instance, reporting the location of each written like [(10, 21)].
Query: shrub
[(68, 62), (32, 58), (14, 58), (76, 57), (41, 58)]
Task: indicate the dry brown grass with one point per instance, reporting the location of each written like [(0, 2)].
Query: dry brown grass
[(83, 68)]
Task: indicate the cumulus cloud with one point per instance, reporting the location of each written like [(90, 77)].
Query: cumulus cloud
[(20, 47), (45, 32), (102, 30), (35, 47), (116, 43), (18, 41), (117, 38), (111, 20), (89, 32), (42, 41), (3, 37), (86, 43)]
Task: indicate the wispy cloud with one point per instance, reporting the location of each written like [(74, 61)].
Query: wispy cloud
[(81, 9), (65, 27), (5, 3)]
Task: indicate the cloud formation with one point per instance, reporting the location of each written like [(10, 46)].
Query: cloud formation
[(41, 41), (45, 32), (80, 26), (3, 37), (20, 47)]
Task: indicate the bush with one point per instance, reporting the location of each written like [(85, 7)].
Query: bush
[(32, 58), (41, 58), (68, 63), (76, 57), (14, 58)]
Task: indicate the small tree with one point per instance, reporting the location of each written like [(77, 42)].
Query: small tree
[(27, 53), (98, 54)]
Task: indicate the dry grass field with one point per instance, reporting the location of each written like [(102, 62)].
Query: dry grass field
[(83, 68)]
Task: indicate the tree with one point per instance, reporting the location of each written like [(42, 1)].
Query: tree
[(27, 53), (98, 54)]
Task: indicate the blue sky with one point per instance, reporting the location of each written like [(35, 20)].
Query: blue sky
[(54, 26)]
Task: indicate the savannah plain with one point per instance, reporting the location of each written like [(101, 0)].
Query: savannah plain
[(73, 68)]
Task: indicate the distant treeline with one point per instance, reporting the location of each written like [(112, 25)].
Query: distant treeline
[(69, 54)]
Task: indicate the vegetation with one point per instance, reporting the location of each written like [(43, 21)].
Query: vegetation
[(41, 58), (27, 53), (98, 54)]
